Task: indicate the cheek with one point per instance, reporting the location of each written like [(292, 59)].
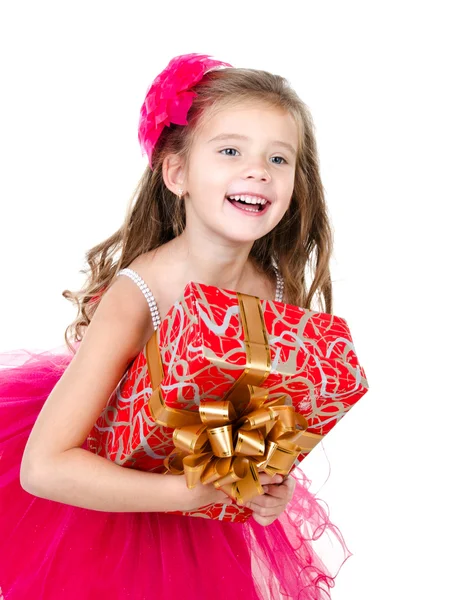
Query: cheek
[(285, 199), (292, 182), (286, 179), (287, 191), (204, 177)]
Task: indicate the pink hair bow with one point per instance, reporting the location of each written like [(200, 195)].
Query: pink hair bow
[(168, 98)]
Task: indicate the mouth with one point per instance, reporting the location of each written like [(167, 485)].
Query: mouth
[(250, 205)]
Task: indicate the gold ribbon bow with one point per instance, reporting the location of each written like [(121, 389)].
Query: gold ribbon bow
[(228, 441)]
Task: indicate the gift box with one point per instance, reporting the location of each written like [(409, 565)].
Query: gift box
[(230, 385)]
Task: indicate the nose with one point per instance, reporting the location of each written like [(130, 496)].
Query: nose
[(257, 171)]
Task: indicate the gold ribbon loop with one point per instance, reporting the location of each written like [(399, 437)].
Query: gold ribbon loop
[(246, 488), (236, 472), (221, 441), (307, 441), (290, 425), (191, 438), (259, 418), (216, 413), (194, 467), (283, 459), (249, 443), (174, 463), (170, 417), (216, 470)]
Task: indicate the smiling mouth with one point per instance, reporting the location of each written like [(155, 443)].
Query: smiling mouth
[(249, 207)]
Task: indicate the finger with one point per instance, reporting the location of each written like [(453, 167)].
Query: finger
[(264, 478), (291, 484), (268, 501), (276, 491), (264, 511), (264, 520), (284, 490)]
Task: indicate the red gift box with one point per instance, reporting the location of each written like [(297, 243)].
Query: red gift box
[(283, 374)]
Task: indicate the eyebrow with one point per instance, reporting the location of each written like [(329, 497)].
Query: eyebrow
[(237, 136)]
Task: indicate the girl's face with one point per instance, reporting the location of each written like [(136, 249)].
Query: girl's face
[(240, 174)]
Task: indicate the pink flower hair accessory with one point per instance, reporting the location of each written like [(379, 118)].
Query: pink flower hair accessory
[(169, 98)]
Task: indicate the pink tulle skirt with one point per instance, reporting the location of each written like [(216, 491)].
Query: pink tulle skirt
[(52, 551)]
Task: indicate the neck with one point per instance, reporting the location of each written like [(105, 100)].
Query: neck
[(211, 262)]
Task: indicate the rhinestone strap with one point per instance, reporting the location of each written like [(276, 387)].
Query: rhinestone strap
[(146, 292), (279, 285)]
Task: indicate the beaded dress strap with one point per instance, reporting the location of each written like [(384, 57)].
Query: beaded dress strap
[(156, 320), (279, 285), (136, 278)]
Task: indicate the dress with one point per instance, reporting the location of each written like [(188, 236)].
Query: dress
[(53, 551)]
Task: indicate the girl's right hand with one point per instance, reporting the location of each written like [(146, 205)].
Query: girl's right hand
[(202, 495)]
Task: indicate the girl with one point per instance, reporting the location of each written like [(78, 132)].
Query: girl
[(232, 197)]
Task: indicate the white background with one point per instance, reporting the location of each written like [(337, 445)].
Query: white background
[(386, 86)]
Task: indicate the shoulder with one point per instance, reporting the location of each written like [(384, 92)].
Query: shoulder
[(124, 309), (156, 268)]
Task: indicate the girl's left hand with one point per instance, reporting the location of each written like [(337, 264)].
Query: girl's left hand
[(273, 502)]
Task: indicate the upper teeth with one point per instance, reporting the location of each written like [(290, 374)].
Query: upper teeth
[(249, 199)]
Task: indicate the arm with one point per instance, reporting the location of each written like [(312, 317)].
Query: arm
[(54, 465)]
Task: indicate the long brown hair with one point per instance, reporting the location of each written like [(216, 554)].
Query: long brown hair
[(301, 243)]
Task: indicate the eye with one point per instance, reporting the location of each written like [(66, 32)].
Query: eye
[(228, 149), (281, 158)]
